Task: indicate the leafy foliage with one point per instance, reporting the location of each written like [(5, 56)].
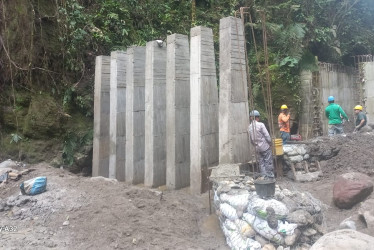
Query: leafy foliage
[(55, 53)]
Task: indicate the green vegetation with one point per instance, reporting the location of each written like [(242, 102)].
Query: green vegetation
[(48, 64)]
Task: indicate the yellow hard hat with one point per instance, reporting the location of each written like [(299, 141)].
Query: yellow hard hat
[(358, 107), (284, 106)]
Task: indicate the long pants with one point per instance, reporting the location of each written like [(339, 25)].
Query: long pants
[(335, 129), (265, 162), (285, 137)]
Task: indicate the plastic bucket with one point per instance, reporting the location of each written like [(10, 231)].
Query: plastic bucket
[(265, 188), (278, 146)]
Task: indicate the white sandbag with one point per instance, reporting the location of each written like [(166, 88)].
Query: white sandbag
[(230, 225), (289, 149), (261, 226), (235, 241), (257, 206), (286, 228), (236, 201), (228, 211), (245, 229)]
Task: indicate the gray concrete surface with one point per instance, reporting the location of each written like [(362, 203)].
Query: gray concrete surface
[(339, 82), (369, 90), (155, 115), (233, 95), (117, 115), (100, 159), (307, 115), (204, 108), (135, 81), (178, 112)]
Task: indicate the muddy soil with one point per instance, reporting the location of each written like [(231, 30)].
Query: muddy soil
[(95, 213)]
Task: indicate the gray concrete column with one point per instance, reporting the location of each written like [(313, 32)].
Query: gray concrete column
[(135, 80), (100, 159), (155, 114), (118, 60), (233, 96), (178, 112), (369, 90), (307, 104), (204, 108)]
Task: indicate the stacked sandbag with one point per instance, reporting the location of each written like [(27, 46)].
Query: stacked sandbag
[(295, 153), (248, 221)]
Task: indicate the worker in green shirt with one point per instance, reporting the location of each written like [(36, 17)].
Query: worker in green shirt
[(335, 113)]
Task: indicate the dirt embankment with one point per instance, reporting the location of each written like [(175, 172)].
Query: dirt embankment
[(93, 213)]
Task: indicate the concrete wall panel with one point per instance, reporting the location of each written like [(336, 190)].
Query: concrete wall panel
[(178, 112), (100, 161)]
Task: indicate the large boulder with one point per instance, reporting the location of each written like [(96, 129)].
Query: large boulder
[(351, 188), (344, 239)]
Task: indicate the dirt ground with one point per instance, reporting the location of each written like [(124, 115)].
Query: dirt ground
[(95, 213)]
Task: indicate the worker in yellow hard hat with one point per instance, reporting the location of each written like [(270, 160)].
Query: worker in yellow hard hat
[(284, 123), (361, 118)]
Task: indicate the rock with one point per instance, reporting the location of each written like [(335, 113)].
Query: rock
[(287, 192), (344, 239), (318, 218), (261, 240), (308, 177), (271, 218), (100, 178), (289, 150), (320, 229), (366, 211), (223, 189), (300, 217), (66, 223), (303, 246), (290, 204), (8, 164), (280, 248), (289, 240), (347, 224), (351, 188), (301, 150), (306, 157), (309, 232), (268, 246), (297, 158)]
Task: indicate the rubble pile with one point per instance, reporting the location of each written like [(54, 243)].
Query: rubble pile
[(289, 220)]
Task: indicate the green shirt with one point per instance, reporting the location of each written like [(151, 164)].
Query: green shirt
[(361, 116), (333, 112)]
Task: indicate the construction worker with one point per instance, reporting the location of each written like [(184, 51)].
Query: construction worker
[(260, 138), (361, 118), (335, 113), (284, 123)]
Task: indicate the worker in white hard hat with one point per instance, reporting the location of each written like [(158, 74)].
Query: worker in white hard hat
[(284, 124), (361, 118), (260, 138)]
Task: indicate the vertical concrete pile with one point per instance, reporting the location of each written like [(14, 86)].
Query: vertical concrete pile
[(233, 96), (178, 112), (204, 108)]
